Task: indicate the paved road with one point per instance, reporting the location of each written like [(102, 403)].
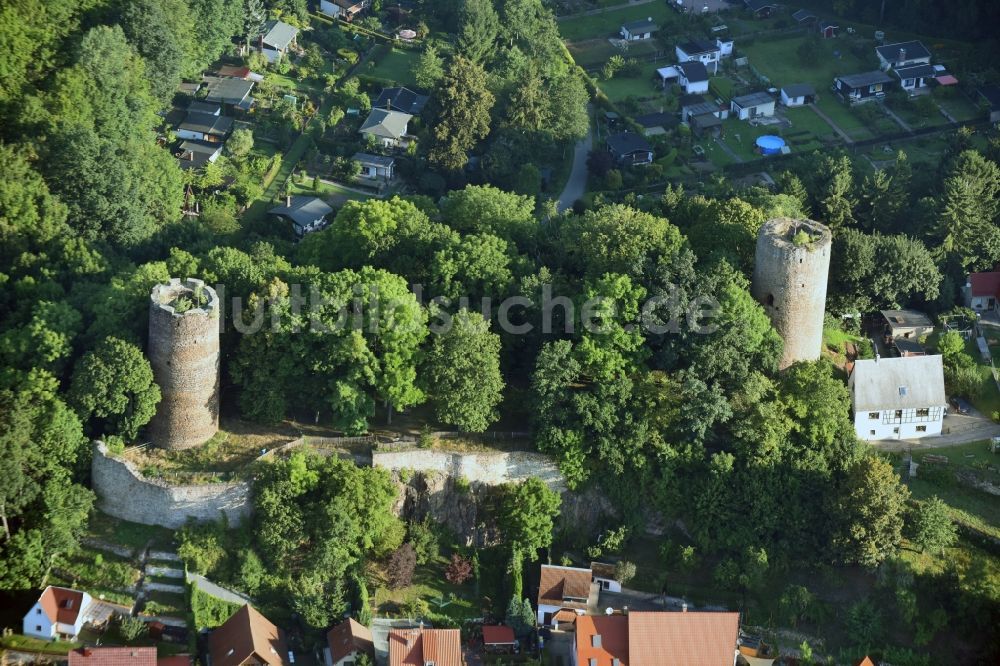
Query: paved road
[(576, 186), (833, 125), (958, 429)]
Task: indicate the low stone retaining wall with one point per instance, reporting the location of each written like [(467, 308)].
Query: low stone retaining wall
[(489, 468), (123, 492)]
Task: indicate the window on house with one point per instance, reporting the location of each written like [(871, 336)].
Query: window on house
[(895, 431), (874, 416), (924, 412), (871, 432), (921, 428), (38, 627), (899, 413), (38, 611)]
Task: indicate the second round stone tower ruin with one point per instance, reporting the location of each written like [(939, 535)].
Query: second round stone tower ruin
[(184, 353), (789, 279)]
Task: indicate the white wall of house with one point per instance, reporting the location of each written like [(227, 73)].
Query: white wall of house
[(348, 660), (37, 624), (634, 36), (792, 101), (710, 60), (190, 134), (545, 608), (694, 88), (982, 302), (725, 47), (748, 112), (899, 424), (608, 584)]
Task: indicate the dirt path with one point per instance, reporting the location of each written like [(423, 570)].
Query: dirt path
[(899, 121), (576, 186), (829, 121), (729, 151)]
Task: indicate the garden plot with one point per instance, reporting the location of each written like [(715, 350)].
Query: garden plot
[(608, 24), (593, 53)]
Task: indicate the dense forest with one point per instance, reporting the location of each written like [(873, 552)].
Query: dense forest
[(762, 467)]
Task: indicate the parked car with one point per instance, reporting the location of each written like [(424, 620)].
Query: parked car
[(960, 405)]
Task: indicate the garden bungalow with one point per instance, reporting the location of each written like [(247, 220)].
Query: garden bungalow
[(898, 398), (275, 39), (351, 8), (636, 30), (248, 638), (388, 127), (914, 77), (827, 29), (862, 87), (902, 54), (212, 128), (706, 52), (375, 166), (761, 8), (803, 17), (798, 94), (400, 99), (196, 154), (696, 105), (346, 642), (630, 149), (754, 105), (906, 324), (499, 639), (604, 575), (328, 8), (693, 77), (234, 93), (982, 291), (656, 123), (307, 214), (58, 613)]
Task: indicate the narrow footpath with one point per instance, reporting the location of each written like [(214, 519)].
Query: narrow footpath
[(576, 186), (829, 121)]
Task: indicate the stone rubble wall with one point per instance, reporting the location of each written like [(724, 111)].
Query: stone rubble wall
[(123, 492), (489, 468)]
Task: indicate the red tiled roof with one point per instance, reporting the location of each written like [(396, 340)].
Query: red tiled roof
[(565, 615), (347, 637), (682, 639), (984, 284), (246, 634), (416, 647), (602, 638), (498, 635), (559, 583), (867, 661), (113, 656), (61, 604)]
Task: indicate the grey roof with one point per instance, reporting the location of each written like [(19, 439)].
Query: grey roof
[(693, 71), (991, 94), (697, 46), (705, 120), (228, 91), (400, 99), (388, 124), (914, 50), (689, 99), (278, 34), (823, 25), (628, 142), (914, 71), (304, 210), (206, 123), (642, 25), (373, 160), (657, 120), (803, 15), (753, 99), (910, 382), (865, 79), (195, 154), (702, 108), (907, 319), (757, 5), (908, 345), (202, 107), (799, 90)]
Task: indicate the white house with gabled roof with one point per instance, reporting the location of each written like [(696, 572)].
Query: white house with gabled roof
[(898, 398), (58, 613)]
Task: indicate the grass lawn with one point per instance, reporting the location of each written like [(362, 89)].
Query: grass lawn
[(608, 23), (843, 117), (396, 66), (19, 642), (100, 568), (969, 505), (133, 535), (165, 603), (456, 601), (959, 107), (643, 85), (778, 60), (592, 53), (805, 119)]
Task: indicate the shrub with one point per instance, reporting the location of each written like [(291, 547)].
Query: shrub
[(624, 572), (458, 570), (401, 565), (130, 627), (424, 541)]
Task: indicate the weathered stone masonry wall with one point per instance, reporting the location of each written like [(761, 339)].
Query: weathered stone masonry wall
[(491, 468), (124, 493)]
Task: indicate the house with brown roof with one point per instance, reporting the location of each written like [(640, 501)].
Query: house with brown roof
[(124, 656), (982, 291), (248, 638), (672, 638), (346, 642), (565, 589), (58, 613), (604, 576), (602, 640), (420, 647)]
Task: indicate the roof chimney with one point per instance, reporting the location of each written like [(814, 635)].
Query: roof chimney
[(288, 200), (684, 607), (902, 55), (649, 18)]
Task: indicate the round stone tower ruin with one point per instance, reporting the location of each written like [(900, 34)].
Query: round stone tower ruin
[(789, 280), (184, 353)]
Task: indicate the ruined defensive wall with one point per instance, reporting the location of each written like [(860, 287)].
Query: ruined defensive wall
[(789, 280), (490, 468), (184, 352), (123, 492)]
